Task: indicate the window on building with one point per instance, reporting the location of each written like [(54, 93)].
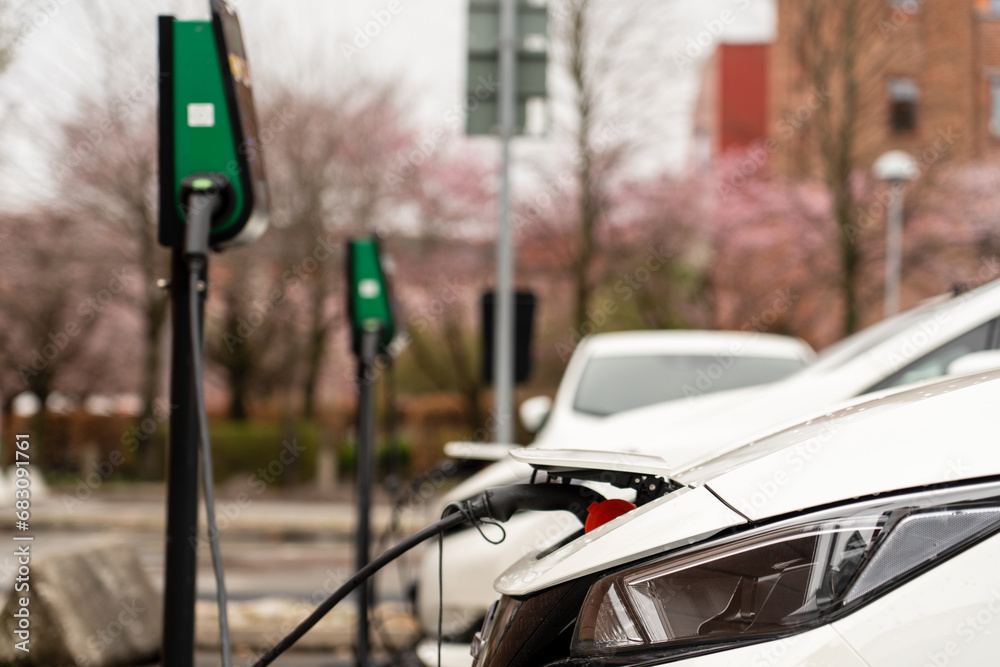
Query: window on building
[(903, 97)]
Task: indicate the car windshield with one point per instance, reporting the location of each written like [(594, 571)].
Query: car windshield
[(614, 384), (848, 348)]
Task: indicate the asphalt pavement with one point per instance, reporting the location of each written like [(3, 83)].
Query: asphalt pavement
[(282, 554)]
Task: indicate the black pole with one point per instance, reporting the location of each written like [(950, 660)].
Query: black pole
[(365, 468), (182, 477)]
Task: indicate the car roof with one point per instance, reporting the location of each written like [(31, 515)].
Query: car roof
[(698, 342)]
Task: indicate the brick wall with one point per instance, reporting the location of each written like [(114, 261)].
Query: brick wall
[(950, 48)]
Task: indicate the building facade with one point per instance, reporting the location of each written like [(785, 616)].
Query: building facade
[(865, 76)]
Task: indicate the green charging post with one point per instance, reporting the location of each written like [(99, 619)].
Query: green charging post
[(208, 126), (213, 195), (368, 302), (370, 307)]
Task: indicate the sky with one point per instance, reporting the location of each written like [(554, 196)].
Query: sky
[(316, 43)]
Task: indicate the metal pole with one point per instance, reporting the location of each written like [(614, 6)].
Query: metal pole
[(182, 479), (365, 467), (893, 248), (503, 350)]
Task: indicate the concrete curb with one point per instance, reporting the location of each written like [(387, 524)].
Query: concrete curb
[(89, 607)]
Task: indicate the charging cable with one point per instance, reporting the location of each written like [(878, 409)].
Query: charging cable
[(204, 198), (494, 504)]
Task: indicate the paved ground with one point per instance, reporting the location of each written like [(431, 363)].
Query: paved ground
[(279, 553)]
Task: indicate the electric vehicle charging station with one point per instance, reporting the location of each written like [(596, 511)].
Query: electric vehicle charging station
[(213, 195), (372, 328)]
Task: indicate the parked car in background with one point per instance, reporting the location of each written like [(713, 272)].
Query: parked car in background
[(867, 536), (614, 372), (960, 330)]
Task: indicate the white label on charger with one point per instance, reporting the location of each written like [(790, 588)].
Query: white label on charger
[(201, 115), (369, 288)]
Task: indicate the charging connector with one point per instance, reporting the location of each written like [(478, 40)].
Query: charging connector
[(497, 504), (205, 196)]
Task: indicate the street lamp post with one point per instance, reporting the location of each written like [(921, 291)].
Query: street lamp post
[(894, 167)]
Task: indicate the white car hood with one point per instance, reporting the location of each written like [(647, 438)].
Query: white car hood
[(928, 434), (895, 441)]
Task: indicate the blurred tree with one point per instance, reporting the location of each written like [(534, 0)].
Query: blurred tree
[(250, 328), (440, 307), (107, 171), (952, 236), (843, 55), (446, 264), (56, 305), (105, 164), (612, 55), (326, 160)]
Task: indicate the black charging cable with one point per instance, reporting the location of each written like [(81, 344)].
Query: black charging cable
[(498, 504), (205, 196)]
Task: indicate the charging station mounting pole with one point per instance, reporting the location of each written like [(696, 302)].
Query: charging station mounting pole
[(182, 478), (209, 152), (370, 338), (372, 330)]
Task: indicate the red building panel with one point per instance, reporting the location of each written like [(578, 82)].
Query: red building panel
[(743, 112)]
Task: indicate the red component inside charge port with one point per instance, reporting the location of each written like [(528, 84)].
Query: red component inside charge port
[(599, 513)]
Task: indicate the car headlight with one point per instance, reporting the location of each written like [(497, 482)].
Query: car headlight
[(779, 579)]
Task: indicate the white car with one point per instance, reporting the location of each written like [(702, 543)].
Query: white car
[(918, 344), (614, 372), (867, 536)]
